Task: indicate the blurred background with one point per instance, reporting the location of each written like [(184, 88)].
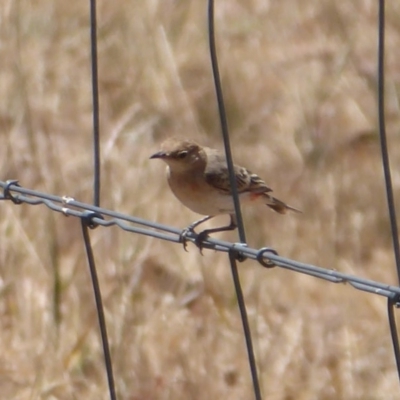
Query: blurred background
[(299, 82)]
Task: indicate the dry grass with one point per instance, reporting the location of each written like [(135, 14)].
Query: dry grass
[(299, 86)]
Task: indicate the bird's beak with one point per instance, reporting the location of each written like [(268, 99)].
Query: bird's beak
[(160, 154)]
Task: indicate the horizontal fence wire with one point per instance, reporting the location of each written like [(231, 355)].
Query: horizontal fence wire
[(265, 256)]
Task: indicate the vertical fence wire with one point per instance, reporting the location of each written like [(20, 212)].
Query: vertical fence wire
[(86, 222), (382, 134), (95, 99), (232, 180), (224, 122), (387, 173), (99, 306), (246, 327), (393, 332)]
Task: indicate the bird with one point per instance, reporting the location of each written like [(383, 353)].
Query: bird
[(199, 177)]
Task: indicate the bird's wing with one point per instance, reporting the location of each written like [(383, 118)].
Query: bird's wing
[(217, 175)]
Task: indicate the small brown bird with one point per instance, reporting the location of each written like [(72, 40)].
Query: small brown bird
[(198, 176)]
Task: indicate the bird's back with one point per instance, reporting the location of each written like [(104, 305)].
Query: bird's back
[(217, 175)]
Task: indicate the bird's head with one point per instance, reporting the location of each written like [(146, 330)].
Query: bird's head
[(181, 154)]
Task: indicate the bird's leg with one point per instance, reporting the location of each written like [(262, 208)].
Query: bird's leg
[(190, 228), (202, 235)]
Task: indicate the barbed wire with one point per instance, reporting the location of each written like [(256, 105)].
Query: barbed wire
[(265, 256)]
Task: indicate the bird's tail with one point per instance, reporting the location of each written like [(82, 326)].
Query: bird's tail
[(279, 206)]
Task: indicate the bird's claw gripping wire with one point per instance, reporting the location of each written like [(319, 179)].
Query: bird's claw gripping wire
[(183, 237), (200, 237), (198, 241)]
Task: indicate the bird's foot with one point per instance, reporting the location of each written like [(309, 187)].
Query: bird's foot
[(198, 241), (183, 236)]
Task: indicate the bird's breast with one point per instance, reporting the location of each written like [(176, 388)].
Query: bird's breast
[(196, 194)]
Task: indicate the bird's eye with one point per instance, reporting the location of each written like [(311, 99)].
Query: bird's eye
[(182, 154)]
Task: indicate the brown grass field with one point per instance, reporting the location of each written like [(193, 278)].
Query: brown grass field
[(299, 82)]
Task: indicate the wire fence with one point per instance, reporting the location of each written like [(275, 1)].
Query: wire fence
[(266, 257), (93, 216)]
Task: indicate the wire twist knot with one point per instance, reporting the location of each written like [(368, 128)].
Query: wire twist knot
[(89, 216), (262, 253), (7, 194)]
